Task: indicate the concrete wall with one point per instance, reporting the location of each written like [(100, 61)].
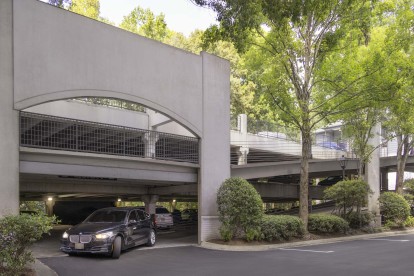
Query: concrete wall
[(58, 55), (94, 113), (215, 153), (49, 54), (9, 124)]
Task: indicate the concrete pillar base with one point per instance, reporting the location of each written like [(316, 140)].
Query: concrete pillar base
[(210, 228), (376, 221)]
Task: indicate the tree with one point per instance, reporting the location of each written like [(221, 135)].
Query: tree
[(88, 8), (60, 3), (399, 121), (301, 34), (144, 22)]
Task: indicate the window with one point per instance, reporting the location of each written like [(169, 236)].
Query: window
[(133, 216), (141, 214)]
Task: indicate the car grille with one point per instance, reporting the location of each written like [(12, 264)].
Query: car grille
[(80, 238)]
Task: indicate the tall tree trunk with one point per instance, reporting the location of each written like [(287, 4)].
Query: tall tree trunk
[(402, 154), (304, 173)]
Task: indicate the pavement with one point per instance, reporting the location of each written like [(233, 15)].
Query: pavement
[(41, 250)]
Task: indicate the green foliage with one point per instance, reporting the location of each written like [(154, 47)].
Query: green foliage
[(88, 8), (349, 195), (358, 220), (409, 222), (17, 233), (226, 232), (409, 191), (239, 207), (36, 206), (326, 223), (394, 208), (281, 227), (144, 22), (253, 233)]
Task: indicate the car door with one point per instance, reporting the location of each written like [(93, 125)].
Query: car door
[(133, 226), (145, 226)]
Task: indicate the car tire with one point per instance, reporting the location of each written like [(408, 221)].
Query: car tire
[(151, 238), (71, 254), (116, 247)]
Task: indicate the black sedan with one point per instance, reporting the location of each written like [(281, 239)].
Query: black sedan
[(110, 231)]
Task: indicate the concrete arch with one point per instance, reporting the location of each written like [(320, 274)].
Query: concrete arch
[(82, 57), (50, 54), (62, 95)]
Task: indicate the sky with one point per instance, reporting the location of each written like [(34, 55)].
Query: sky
[(180, 15)]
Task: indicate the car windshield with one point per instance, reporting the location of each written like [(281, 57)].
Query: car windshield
[(107, 216), (161, 211)]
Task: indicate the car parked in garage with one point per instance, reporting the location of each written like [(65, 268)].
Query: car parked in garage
[(189, 215), (330, 180), (109, 231), (163, 218)]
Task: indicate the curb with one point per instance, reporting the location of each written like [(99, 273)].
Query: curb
[(43, 270), (266, 247)]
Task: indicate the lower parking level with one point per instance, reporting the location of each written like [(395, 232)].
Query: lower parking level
[(183, 234)]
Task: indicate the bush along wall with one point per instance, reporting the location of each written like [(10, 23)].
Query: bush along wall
[(350, 197), (281, 227), (394, 209), (326, 223), (17, 233), (240, 210)]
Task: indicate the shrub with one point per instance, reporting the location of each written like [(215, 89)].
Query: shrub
[(326, 223), (240, 209), (358, 220), (281, 227), (409, 191), (349, 195), (394, 208), (17, 233), (409, 222)]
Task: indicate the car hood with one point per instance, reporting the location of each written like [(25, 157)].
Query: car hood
[(93, 228)]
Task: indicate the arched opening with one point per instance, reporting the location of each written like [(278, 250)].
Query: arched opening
[(107, 126), (86, 153)]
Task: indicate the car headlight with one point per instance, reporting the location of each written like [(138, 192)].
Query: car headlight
[(65, 235), (103, 236)]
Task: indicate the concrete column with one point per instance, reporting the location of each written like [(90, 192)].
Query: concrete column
[(215, 146), (150, 203), (242, 153), (9, 118), (150, 139), (372, 175), (49, 202), (242, 123)]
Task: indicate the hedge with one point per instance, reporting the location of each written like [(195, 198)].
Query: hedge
[(281, 227), (326, 223)]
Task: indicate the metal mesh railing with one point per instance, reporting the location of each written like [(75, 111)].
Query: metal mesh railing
[(50, 132)]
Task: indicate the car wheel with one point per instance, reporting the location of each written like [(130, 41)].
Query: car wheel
[(116, 247), (71, 254), (151, 238)]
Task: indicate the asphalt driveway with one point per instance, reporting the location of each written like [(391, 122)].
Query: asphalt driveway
[(386, 256)]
